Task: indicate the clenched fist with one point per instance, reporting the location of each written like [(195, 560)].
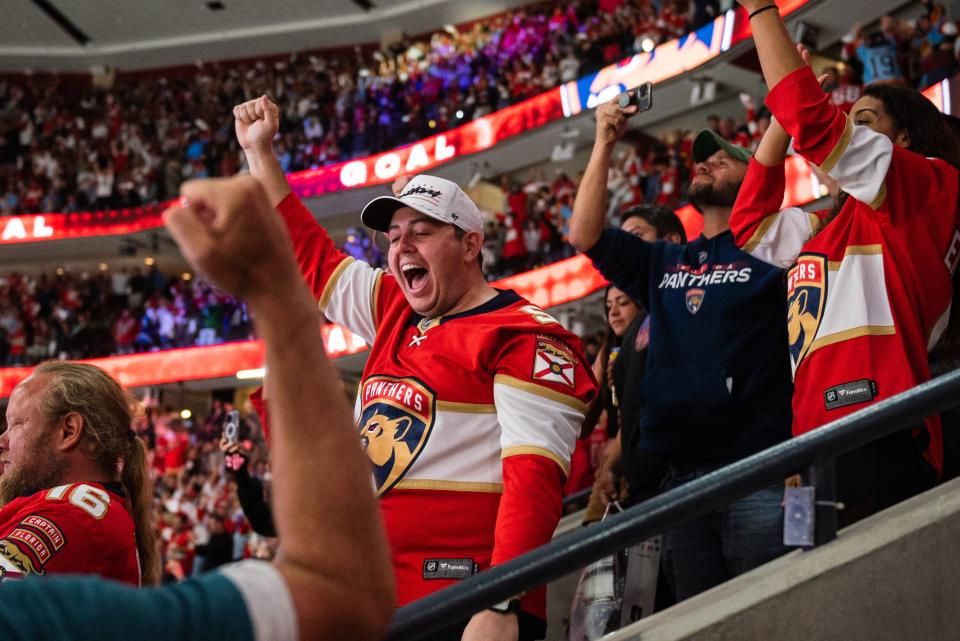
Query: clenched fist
[(227, 230), (257, 122)]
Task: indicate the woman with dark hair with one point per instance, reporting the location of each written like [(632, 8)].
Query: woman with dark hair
[(870, 287), (620, 310), (625, 472)]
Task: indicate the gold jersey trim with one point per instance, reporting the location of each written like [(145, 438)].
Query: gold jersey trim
[(537, 451), (453, 486), (841, 147), (466, 408), (332, 283), (541, 391)]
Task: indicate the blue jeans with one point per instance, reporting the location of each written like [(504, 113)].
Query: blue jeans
[(720, 545)]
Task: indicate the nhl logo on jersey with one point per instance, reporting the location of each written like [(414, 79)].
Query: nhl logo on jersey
[(396, 419), (554, 362), (806, 298), (694, 300)]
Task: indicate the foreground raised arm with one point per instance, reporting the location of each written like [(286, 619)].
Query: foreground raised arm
[(324, 510)]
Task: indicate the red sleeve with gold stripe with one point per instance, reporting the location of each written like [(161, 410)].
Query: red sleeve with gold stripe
[(804, 110), (347, 290), (318, 257), (759, 227), (541, 389), (530, 509), (868, 166)]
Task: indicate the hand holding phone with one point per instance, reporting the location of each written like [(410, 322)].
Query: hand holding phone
[(231, 426), (640, 97)]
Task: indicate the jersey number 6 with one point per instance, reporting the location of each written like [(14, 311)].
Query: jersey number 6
[(91, 500)]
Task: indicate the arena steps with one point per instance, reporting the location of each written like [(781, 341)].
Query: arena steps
[(891, 577)]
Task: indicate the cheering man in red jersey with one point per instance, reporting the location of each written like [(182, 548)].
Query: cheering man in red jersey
[(471, 398)]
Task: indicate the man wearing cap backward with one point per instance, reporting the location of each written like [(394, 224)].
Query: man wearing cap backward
[(717, 386), (471, 398)]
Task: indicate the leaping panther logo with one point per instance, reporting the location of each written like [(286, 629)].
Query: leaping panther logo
[(395, 424), (807, 297), (15, 562)]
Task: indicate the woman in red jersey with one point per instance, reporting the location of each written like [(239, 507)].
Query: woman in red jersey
[(870, 288)]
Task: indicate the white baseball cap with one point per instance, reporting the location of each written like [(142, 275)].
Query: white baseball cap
[(438, 198)]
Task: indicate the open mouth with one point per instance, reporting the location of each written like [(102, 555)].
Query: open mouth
[(415, 275)]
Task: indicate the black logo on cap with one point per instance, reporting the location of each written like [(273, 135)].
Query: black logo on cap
[(413, 191)]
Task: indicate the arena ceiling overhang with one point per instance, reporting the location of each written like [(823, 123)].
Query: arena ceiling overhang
[(76, 35)]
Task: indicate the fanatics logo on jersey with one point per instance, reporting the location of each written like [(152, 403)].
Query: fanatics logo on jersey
[(449, 568), (396, 420), (806, 298), (695, 300), (554, 362)]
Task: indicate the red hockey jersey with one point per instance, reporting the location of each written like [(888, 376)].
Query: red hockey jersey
[(83, 528), (469, 420), (870, 294)]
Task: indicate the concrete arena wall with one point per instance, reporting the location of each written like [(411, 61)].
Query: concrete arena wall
[(892, 577)]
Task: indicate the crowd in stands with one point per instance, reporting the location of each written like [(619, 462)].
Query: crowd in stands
[(916, 53), (66, 316), (63, 315), (657, 171), (197, 510), (66, 146), (196, 506)]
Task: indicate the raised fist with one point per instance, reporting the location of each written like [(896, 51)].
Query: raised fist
[(256, 123), (227, 230)]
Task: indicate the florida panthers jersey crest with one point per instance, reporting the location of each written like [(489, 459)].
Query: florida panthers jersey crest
[(396, 418), (806, 297)]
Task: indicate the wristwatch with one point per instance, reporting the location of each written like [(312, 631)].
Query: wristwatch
[(510, 606)]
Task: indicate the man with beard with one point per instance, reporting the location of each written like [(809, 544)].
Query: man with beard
[(324, 513), (717, 386), (75, 490)]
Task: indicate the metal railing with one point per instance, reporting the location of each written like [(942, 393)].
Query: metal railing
[(581, 547), (577, 498)]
